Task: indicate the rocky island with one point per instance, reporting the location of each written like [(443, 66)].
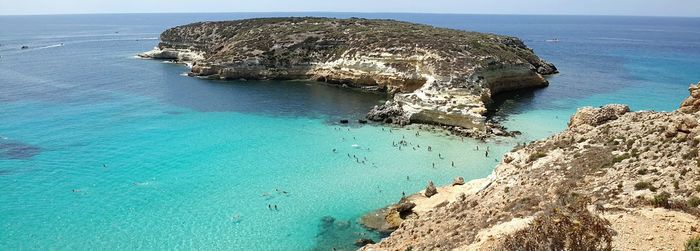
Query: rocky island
[(613, 180), (435, 75)]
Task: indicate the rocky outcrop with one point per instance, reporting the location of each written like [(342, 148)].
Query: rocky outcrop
[(692, 103), (597, 116), (430, 190), (437, 76), (612, 180), (458, 181)]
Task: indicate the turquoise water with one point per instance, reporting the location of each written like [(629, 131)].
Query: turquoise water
[(99, 150)]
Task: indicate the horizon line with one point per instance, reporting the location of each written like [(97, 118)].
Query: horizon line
[(345, 12)]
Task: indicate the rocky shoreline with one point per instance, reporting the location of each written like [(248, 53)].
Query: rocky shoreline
[(613, 180), (435, 75)]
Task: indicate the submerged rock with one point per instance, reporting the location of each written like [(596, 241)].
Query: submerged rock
[(17, 150), (436, 75), (363, 242)]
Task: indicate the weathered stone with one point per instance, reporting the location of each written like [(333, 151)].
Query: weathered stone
[(393, 219), (597, 116), (405, 207), (692, 103), (458, 181), (363, 242), (430, 190)]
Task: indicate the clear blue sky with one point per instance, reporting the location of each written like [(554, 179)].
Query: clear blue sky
[(554, 7)]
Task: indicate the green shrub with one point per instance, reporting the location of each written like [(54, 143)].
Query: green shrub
[(571, 227), (642, 171), (644, 185), (693, 244), (620, 158), (694, 201), (661, 200), (537, 155)]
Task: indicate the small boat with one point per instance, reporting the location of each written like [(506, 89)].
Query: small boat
[(553, 40), (24, 47)]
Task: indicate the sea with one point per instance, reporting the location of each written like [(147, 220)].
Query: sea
[(100, 150)]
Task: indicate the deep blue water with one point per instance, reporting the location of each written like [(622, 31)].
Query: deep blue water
[(99, 150)]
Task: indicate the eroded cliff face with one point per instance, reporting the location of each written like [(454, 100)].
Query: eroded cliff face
[(440, 76), (614, 179)]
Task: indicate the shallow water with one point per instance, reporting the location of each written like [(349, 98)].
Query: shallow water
[(99, 150)]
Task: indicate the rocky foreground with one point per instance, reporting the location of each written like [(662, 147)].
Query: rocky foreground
[(614, 180), (436, 75)]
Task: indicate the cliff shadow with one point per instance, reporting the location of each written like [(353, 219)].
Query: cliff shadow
[(508, 103)]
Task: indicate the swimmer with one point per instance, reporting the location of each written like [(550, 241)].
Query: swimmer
[(453, 164), (334, 150)]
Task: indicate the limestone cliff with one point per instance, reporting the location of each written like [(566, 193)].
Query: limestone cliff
[(439, 76), (614, 179)]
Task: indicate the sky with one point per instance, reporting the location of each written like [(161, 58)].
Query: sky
[(525, 7)]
